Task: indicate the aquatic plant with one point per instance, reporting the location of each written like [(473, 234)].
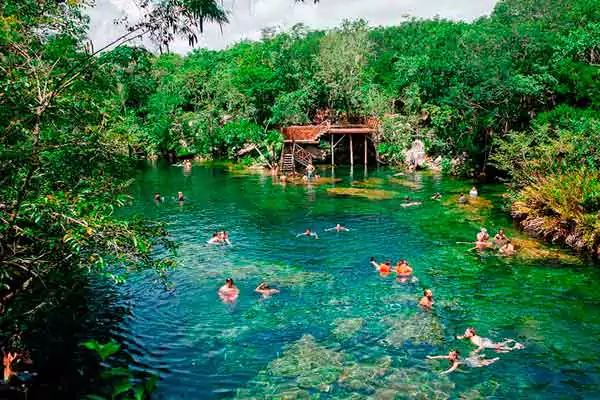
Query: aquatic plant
[(371, 194)]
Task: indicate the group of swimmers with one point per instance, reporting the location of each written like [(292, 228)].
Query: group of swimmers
[(229, 292), (221, 237), (500, 242), (158, 198)]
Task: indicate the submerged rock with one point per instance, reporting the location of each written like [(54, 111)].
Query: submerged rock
[(346, 328), (421, 328)]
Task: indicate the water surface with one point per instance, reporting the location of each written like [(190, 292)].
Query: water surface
[(338, 330)]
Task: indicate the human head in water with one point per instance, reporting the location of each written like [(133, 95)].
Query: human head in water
[(470, 332), (428, 293), (229, 282), (453, 355)]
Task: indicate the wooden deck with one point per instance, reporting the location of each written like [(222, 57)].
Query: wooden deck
[(311, 134)]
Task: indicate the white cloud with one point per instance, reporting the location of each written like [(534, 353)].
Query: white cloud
[(248, 17)]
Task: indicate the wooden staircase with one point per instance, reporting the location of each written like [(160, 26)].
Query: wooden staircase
[(292, 155)]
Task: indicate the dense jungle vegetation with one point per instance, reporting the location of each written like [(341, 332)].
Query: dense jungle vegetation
[(517, 92)]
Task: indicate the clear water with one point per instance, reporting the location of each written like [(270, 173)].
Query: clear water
[(339, 330)]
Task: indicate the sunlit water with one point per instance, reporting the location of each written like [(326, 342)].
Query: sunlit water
[(338, 330)]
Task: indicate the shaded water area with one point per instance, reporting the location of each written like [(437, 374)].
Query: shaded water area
[(339, 330)]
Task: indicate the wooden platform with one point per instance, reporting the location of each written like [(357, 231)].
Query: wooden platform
[(311, 134)]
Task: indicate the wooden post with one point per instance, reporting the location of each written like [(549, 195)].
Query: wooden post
[(351, 152), (332, 151), (366, 159)]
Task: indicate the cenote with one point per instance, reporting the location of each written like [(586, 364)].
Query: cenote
[(339, 330)]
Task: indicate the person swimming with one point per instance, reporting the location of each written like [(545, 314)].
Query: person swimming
[(436, 196), (485, 343), (228, 292), (403, 269), (474, 361), (157, 197), (500, 238), (462, 199), (508, 249), (411, 204), (482, 240), (265, 290), (180, 196), (473, 192), (308, 232), (337, 228), (384, 268), (427, 299)]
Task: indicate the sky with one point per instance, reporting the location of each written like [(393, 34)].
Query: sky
[(248, 17)]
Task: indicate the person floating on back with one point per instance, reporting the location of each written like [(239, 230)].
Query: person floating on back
[(265, 290), (308, 233), (474, 361), (338, 228), (229, 292), (485, 343), (427, 299)]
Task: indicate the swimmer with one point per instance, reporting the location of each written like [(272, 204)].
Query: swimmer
[(309, 233), (411, 204), (473, 192), (508, 249), (338, 228), (384, 269), (500, 238), (265, 290), (462, 199), (482, 240), (215, 239), (436, 196), (157, 197), (229, 292), (473, 361), (485, 343), (403, 269), (310, 169), (180, 196), (225, 237), (427, 299)]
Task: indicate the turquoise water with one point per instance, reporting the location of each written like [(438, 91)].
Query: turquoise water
[(339, 330)]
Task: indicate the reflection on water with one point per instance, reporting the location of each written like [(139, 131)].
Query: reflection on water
[(338, 329)]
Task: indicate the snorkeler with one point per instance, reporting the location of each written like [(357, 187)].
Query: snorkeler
[(265, 290), (427, 299), (338, 228), (485, 343), (228, 292), (384, 269), (308, 232), (474, 361), (508, 249)]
